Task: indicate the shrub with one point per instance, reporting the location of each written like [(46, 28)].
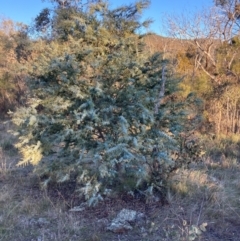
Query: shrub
[(104, 113)]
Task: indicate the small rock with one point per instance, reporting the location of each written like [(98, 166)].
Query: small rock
[(77, 209), (127, 215), (123, 221), (118, 227)]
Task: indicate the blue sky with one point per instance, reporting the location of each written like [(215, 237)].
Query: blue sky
[(25, 10)]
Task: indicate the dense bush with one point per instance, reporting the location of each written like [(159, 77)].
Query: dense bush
[(102, 111)]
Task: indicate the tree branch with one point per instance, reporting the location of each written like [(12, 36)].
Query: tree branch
[(206, 72), (206, 52)]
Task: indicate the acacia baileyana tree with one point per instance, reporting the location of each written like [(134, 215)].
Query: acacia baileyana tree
[(101, 111)]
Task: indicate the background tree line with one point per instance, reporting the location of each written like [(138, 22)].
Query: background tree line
[(208, 57)]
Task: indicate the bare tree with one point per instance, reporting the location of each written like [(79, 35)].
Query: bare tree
[(230, 12), (208, 31), (214, 37)]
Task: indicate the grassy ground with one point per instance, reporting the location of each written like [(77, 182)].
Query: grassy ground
[(208, 196)]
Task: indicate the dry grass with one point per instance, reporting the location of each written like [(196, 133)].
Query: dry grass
[(206, 194)]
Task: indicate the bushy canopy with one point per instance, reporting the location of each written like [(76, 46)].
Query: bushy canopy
[(102, 112)]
